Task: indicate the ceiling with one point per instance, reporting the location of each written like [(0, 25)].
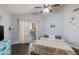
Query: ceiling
[(22, 8)]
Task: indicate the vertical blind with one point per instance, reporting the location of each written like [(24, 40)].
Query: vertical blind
[(23, 31)]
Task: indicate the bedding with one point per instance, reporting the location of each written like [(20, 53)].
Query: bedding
[(51, 36), (51, 47)]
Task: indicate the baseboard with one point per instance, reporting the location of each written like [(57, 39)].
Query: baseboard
[(75, 47), (15, 43)]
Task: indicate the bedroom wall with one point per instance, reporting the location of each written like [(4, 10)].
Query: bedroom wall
[(71, 31), (5, 21)]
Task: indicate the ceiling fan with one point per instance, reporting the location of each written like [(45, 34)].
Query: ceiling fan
[(47, 7)]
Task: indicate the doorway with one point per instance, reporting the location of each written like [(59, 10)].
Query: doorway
[(33, 30)]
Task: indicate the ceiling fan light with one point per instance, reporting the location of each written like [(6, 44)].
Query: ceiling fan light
[(46, 10)]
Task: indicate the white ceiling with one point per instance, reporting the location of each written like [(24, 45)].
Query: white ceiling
[(22, 8)]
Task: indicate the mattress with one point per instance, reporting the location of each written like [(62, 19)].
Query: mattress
[(52, 47)]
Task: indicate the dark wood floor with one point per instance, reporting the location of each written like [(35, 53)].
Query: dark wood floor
[(20, 49), (23, 49)]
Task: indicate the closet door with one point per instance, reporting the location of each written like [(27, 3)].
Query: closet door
[(23, 31)]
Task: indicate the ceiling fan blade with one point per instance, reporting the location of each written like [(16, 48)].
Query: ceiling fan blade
[(38, 7), (55, 5)]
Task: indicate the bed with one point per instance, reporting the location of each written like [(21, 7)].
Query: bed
[(46, 46)]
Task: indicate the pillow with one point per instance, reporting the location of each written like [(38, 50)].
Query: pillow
[(58, 37), (46, 36), (52, 36)]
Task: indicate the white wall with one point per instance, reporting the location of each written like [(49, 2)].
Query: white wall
[(71, 32), (5, 21)]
